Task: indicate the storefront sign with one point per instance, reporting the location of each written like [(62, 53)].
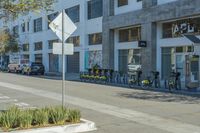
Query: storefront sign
[(182, 28), (142, 44)]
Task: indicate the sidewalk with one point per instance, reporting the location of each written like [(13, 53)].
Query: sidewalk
[(75, 77)]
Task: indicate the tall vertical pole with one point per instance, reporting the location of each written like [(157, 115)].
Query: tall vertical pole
[(63, 61)]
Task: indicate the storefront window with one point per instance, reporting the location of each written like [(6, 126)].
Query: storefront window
[(179, 50), (190, 49), (173, 58), (94, 58), (128, 58), (167, 62)]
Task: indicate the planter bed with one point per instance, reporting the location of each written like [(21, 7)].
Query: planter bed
[(56, 119), (83, 126)]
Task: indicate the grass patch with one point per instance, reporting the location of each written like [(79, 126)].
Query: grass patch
[(16, 119)]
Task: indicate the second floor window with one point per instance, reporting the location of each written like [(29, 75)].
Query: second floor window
[(130, 34), (25, 47), (50, 42), (73, 13), (37, 25), (95, 38), (51, 17), (74, 40), (122, 2), (38, 46), (95, 9), (27, 26), (16, 31), (23, 26)]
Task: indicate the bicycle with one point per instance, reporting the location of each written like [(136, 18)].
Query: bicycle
[(148, 82), (134, 78), (174, 81)]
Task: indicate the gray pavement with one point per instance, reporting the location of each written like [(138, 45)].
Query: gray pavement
[(114, 109)]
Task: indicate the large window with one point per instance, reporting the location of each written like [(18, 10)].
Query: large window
[(75, 40), (25, 47), (23, 26), (51, 17), (38, 58), (167, 62), (179, 27), (122, 2), (50, 42), (129, 58), (95, 38), (16, 31), (37, 25), (170, 59), (130, 34), (38, 46), (95, 9), (73, 13)]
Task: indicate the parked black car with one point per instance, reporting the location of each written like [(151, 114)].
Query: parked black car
[(33, 68)]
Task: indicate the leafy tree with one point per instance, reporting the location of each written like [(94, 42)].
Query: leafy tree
[(14, 8), (8, 42), (10, 10)]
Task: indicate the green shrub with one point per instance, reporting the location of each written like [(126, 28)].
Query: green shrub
[(74, 116), (40, 117), (26, 118), (15, 118), (58, 115), (1, 118), (10, 118)]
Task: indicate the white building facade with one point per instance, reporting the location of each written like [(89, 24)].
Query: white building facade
[(36, 38)]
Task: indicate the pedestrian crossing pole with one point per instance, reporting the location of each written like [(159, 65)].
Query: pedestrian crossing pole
[(63, 60)]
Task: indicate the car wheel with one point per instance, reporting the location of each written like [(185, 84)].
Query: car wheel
[(23, 72), (28, 73), (15, 70)]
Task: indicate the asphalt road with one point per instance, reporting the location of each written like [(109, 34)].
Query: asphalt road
[(113, 109)]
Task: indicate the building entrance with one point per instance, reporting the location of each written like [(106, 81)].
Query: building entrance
[(182, 60), (188, 66), (192, 70)]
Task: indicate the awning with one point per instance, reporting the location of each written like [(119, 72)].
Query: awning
[(193, 39)]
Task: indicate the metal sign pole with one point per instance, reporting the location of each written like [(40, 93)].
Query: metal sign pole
[(63, 61)]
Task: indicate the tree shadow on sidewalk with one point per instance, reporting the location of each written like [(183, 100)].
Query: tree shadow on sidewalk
[(160, 97)]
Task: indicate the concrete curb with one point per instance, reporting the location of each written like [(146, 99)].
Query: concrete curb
[(84, 126)]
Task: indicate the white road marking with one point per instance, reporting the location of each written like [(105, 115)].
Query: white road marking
[(4, 97), (21, 104), (169, 125), (8, 100)]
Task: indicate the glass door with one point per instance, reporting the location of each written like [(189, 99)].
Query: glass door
[(180, 65), (194, 65)]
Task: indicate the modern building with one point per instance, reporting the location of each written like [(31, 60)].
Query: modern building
[(161, 24), (117, 34)]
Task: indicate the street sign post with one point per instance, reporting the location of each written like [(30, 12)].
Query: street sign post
[(63, 27)]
